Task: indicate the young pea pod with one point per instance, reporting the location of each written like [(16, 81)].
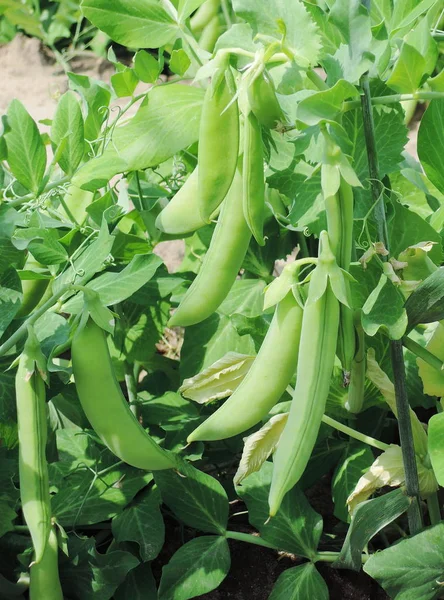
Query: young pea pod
[(313, 376), (204, 15), (105, 406), (32, 435), (266, 380), (181, 215), (263, 101), (44, 581), (210, 34), (218, 142), (221, 264), (356, 388), (33, 289), (253, 178)]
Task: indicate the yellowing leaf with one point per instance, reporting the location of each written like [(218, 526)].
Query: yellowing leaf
[(259, 445), (219, 380), (432, 379)]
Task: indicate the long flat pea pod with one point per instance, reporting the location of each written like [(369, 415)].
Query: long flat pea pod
[(105, 406), (181, 215), (221, 263), (317, 352), (218, 142), (32, 435), (33, 289), (44, 577), (263, 101), (266, 380), (253, 178)]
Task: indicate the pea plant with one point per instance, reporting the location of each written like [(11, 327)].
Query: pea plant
[(279, 390)]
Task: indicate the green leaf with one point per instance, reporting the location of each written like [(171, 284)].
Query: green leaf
[(26, 151), (138, 585), (426, 305), (160, 129), (246, 297), (300, 582), (369, 518), (430, 145), (196, 498), (133, 23), (268, 18), (186, 7), (169, 411), (97, 96), (67, 128), (124, 83), (384, 309), (197, 568), (114, 287), (179, 61), (411, 569), (142, 522), (325, 105), (10, 298), (296, 528), (8, 516), (436, 445), (146, 67), (408, 71), (355, 461)]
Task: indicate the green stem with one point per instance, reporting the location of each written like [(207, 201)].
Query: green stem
[(131, 387), (423, 353), (249, 538), (333, 556), (317, 80), (394, 98), (366, 439), (434, 508), (50, 186), (22, 330)]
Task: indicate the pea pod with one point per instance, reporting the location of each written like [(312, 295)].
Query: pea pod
[(105, 406), (218, 142), (253, 178), (181, 215), (221, 264), (266, 380), (203, 15), (210, 34), (32, 435), (33, 289), (263, 101), (317, 351), (356, 388), (44, 577)]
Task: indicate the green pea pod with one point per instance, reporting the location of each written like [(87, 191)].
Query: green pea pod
[(266, 380), (221, 264), (210, 34), (44, 581), (263, 101), (75, 203), (317, 352), (32, 435), (253, 178), (218, 142), (339, 210), (33, 289), (203, 15), (181, 215), (105, 406), (356, 388)]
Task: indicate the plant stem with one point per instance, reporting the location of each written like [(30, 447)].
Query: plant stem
[(317, 80), (22, 330), (394, 98), (249, 538), (333, 556), (397, 357), (355, 434), (131, 387), (50, 186), (422, 353), (434, 508)]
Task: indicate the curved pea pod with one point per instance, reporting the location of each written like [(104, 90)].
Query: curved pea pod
[(218, 142), (221, 263), (204, 15), (263, 101), (105, 406), (44, 581), (317, 351), (181, 215), (266, 380), (210, 34), (253, 196), (33, 289), (32, 435)]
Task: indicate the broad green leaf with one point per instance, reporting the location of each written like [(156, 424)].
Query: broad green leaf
[(160, 129), (124, 82), (114, 287), (133, 23), (430, 145), (267, 18), (67, 128), (26, 151), (8, 516), (325, 105), (97, 96), (369, 518), (179, 61), (425, 304), (170, 411), (186, 7), (411, 569), (296, 528), (10, 297), (432, 379), (408, 71), (138, 585), (90, 575), (355, 461), (195, 569), (436, 445), (146, 67), (246, 297), (384, 309), (300, 582), (422, 40), (42, 243), (196, 498), (142, 522), (406, 12)]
